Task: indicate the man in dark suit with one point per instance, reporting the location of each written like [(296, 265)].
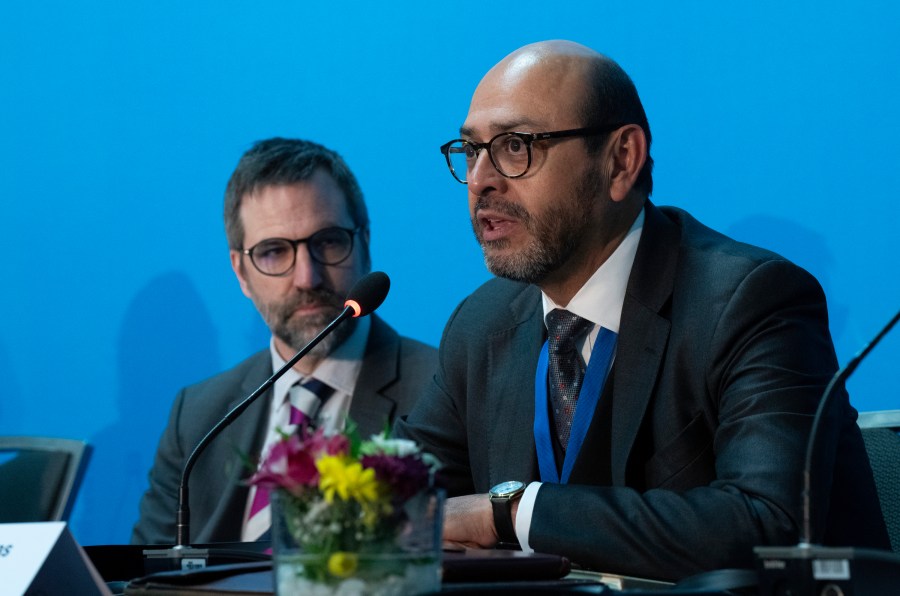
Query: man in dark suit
[(660, 430), (298, 233)]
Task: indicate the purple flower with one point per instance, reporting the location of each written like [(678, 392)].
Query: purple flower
[(405, 475), (291, 462), (288, 465)]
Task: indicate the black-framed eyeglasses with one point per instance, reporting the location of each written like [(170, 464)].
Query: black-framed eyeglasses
[(277, 256), (510, 152)]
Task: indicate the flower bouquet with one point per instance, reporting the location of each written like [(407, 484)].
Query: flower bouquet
[(352, 516)]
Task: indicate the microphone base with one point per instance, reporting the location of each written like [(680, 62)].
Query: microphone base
[(128, 561), (178, 558), (186, 558), (807, 569)]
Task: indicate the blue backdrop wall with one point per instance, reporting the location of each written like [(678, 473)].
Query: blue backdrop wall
[(120, 123)]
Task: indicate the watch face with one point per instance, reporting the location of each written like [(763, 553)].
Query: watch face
[(506, 488)]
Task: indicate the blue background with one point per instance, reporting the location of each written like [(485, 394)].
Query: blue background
[(120, 123)]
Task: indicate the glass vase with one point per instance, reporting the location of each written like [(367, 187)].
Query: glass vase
[(324, 549)]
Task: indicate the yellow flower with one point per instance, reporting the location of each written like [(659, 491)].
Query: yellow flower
[(341, 564), (346, 477)]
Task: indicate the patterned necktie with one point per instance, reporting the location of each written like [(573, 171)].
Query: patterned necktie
[(306, 400), (566, 367)]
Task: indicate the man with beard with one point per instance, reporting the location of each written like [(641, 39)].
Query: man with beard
[(637, 393), (298, 232)]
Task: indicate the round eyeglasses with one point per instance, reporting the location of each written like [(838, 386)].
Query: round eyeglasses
[(510, 152), (277, 256)]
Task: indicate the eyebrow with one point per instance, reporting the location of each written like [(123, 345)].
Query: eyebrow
[(499, 127)]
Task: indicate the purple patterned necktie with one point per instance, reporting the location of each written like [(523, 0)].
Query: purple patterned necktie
[(306, 398), (566, 368)]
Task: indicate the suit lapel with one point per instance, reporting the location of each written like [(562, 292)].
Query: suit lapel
[(371, 408), (245, 436), (246, 429), (643, 333), (512, 358)]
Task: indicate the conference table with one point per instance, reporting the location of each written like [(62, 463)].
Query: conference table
[(246, 569)]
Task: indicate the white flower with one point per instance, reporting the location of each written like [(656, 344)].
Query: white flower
[(380, 444)]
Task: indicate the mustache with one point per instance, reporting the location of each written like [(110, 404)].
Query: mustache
[(503, 207), (311, 297)]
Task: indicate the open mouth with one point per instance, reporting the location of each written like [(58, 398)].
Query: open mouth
[(496, 226)]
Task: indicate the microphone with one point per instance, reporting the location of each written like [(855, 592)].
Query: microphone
[(364, 297), (368, 293), (838, 380), (786, 569)]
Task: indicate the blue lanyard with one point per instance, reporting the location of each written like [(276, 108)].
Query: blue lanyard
[(588, 397)]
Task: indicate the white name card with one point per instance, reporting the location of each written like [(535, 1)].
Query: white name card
[(44, 558)]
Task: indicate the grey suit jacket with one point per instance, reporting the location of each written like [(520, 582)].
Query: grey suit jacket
[(723, 353), (394, 372)]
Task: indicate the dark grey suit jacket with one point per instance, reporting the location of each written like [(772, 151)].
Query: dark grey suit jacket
[(394, 372), (723, 353)]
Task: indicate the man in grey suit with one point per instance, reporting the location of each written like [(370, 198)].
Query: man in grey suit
[(660, 429), (298, 232)]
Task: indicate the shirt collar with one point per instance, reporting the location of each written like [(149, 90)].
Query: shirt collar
[(601, 298), (339, 369)]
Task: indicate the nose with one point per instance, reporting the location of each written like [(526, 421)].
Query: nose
[(307, 273), (483, 177)]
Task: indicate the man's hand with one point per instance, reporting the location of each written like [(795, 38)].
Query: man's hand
[(469, 521)]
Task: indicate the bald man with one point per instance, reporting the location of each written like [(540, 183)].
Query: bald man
[(634, 390)]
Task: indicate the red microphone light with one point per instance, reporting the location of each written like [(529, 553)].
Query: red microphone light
[(357, 309)]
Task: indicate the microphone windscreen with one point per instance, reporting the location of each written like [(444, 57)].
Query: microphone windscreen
[(368, 293)]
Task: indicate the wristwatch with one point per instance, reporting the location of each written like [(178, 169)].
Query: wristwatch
[(502, 497)]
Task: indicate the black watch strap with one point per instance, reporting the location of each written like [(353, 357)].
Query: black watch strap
[(503, 520)]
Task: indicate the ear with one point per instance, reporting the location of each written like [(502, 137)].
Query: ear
[(628, 153), (237, 265)]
